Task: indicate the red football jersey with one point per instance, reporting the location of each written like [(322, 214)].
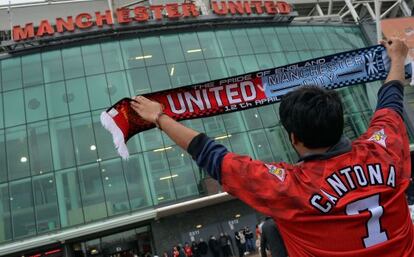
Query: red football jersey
[(352, 204)]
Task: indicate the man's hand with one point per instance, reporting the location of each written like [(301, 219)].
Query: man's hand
[(397, 51), (147, 109), (396, 48)]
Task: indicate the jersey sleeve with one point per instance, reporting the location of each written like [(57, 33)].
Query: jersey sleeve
[(260, 185)]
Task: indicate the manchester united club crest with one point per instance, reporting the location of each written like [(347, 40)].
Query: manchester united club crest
[(278, 172), (379, 137)]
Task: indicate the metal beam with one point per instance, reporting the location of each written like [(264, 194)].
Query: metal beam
[(352, 10)]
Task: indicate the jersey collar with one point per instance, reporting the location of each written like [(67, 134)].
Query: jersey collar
[(343, 146)]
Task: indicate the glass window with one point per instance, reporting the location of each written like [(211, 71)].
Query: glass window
[(39, 147), (159, 78), (285, 39), (226, 42), (280, 145), (3, 161), (264, 61), (138, 81), (137, 182), (112, 56), (172, 48), (252, 119), (234, 65), (151, 139), (209, 44), (191, 46), (241, 144), (52, 66), (35, 103), (11, 73), (1, 79), (216, 68), (268, 115), (57, 99), (132, 53), (13, 108), (62, 144), (92, 193), (233, 122), (260, 145), (47, 214), (324, 42), (249, 63), (214, 126), (104, 143), (257, 40), (115, 188), (298, 38), (117, 86), (68, 196), (182, 172), (32, 70), (179, 74), (305, 55), (1, 111), (21, 201), (84, 139), (72, 62), (271, 39), (242, 41), (292, 57), (311, 38), (198, 71), (5, 222), (160, 176), (98, 92), (279, 59), (92, 59), (17, 154), (152, 51), (77, 95)]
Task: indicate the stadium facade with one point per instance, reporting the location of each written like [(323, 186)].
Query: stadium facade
[(64, 191)]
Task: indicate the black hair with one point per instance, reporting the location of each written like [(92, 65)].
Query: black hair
[(314, 115)]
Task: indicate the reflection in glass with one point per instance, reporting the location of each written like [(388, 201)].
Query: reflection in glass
[(62, 144), (13, 108), (47, 214), (137, 182), (57, 99), (112, 56), (32, 70), (179, 74), (216, 68), (68, 196), (114, 185), (191, 46), (35, 103), (242, 41), (11, 73), (209, 44), (5, 221), (39, 147), (77, 95), (98, 92), (138, 81), (117, 86), (21, 203), (72, 62), (172, 48), (17, 154), (132, 53), (92, 193), (159, 78), (52, 66), (3, 161), (92, 58), (152, 51), (83, 138), (198, 71)]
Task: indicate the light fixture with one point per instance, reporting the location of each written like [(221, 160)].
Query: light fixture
[(99, 160), (199, 226), (103, 170), (94, 251), (194, 50), (182, 155), (255, 115), (50, 180), (40, 171), (222, 137), (162, 149), (23, 159), (172, 71), (110, 185), (143, 57), (106, 178), (160, 198), (259, 146), (93, 147), (237, 216), (168, 177)]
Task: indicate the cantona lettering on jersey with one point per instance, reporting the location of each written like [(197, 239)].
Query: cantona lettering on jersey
[(350, 178)]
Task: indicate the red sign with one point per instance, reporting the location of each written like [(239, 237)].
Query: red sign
[(141, 14)]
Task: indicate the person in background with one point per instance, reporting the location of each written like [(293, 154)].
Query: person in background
[(176, 253), (271, 240), (214, 246), (195, 249), (187, 250), (203, 247), (249, 239)]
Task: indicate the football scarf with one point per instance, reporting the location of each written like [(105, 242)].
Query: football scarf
[(250, 90)]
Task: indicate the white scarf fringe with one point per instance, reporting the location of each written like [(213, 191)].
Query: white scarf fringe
[(118, 137)]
